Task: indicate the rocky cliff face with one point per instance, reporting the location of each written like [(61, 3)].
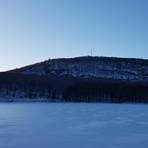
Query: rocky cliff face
[(87, 67)]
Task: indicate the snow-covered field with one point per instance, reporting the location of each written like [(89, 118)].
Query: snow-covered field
[(69, 125)]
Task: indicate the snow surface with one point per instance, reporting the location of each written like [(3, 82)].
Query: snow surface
[(73, 125)]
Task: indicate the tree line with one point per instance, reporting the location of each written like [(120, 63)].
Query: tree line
[(73, 89)]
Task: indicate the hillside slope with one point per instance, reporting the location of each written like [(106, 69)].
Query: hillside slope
[(86, 67), (81, 79)]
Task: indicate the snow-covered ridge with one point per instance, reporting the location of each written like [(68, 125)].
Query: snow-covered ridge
[(99, 67)]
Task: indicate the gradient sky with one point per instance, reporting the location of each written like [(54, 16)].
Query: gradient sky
[(36, 30)]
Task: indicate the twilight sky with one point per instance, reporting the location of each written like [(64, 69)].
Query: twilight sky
[(36, 30)]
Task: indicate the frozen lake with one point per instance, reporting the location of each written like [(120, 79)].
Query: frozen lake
[(69, 125)]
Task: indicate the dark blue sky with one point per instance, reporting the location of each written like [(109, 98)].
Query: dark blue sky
[(35, 30)]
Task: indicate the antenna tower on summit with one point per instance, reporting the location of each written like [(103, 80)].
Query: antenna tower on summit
[(91, 52)]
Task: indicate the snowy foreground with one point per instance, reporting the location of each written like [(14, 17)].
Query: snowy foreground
[(68, 125)]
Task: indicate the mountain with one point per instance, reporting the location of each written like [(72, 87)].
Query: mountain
[(86, 67), (80, 79)]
